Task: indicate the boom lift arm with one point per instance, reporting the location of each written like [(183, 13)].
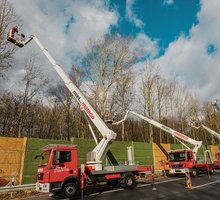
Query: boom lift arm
[(99, 152), (175, 134), (217, 135)]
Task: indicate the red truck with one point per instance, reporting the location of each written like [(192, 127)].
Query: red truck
[(216, 161), (59, 174), (179, 160)]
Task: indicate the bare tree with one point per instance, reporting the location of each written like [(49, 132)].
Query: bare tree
[(72, 113), (34, 82), (194, 113), (170, 109), (182, 100), (8, 18), (147, 93), (124, 95), (105, 59), (65, 98), (8, 113), (211, 120), (161, 93)]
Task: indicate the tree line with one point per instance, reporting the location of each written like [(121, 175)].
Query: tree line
[(114, 79)]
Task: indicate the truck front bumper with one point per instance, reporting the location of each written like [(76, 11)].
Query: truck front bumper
[(177, 171), (43, 187)]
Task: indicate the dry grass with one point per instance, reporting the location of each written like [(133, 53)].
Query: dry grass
[(18, 195)]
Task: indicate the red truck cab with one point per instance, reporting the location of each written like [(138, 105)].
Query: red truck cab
[(181, 159), (58, 165)]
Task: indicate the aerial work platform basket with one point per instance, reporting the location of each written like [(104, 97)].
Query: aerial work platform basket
[(17, 39)]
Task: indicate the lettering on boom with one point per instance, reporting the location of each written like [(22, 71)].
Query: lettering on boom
[(181, 135), (88, 111), (76, 95)]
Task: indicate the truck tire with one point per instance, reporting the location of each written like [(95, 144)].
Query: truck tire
[(212, 170), (128, 181), (194, 172), (166, 173), (69, 190)]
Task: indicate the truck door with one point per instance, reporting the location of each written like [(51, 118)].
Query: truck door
[(63, 165), (190, 160)]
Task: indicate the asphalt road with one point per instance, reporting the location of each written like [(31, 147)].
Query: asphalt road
[(204, 187)]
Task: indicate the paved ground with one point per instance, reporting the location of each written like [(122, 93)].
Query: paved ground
[(204, 187)]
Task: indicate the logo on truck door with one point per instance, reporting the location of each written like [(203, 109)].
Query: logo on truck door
[(61, 169)]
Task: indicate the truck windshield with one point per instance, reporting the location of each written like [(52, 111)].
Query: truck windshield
[(177, 156), (44, 158)]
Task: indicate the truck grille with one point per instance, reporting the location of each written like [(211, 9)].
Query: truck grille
[(40, 176), (177, 166)]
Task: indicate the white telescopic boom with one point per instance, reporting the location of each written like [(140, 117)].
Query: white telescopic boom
[(176, 134), (211, 131), (217, 135)]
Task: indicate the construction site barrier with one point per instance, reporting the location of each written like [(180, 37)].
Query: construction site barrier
[(12, 151), (188, 179)]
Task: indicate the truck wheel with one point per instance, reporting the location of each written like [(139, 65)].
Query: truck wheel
[(128, 181), (212, 170), (194, 173), (166, 173), (69, 190)]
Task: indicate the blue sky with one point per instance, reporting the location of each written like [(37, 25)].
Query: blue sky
[(181, 36), (160, 20)]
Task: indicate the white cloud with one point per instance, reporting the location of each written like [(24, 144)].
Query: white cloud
[(145, 46), (130, 14), (188, 59), (168, 2), (48, 20)]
